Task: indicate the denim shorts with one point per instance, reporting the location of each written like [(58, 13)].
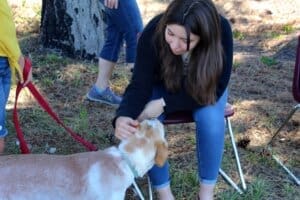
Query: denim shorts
[(5, 81), (123, 24)]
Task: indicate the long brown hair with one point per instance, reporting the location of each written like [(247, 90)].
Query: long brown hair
[(201, 18)]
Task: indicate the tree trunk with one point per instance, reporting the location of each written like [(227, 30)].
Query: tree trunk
[(74, 26)]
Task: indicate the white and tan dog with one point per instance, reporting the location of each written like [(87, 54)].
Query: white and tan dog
[(84, 176)]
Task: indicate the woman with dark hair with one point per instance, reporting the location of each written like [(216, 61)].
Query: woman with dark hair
[(183, 63)]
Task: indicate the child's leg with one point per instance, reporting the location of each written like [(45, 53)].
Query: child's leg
[(5, 79)]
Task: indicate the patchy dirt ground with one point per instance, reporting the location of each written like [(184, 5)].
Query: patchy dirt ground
[(265, 33)]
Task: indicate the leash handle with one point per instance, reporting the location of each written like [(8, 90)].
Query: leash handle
[(45, 105)]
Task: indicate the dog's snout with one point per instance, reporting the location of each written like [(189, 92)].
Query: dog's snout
[(153, 122)]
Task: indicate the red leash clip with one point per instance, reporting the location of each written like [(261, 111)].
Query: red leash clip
[(45, 105)]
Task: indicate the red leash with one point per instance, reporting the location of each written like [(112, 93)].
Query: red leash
[(45, 105)]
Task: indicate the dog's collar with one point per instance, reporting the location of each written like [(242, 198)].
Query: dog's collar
[(132, 168)]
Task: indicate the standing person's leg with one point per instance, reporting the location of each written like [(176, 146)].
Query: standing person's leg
[(131, 27), (124, 22), (106, 67), (108, 57), (128, 22), (210, 130), (5, 80)]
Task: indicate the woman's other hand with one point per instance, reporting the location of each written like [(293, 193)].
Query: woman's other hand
[(112, 4), (125, 127), (153, 109), (29, 78)]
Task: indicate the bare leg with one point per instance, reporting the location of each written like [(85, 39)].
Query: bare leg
[(2, 145), (106, 68), (165, 193), (206, 192), (104, 74)]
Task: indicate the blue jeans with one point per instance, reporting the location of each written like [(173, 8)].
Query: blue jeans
[(123, 23), (5, 81), (210, 130)]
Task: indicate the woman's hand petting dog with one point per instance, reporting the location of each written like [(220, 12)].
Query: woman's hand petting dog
[(153, 109), (125, 127)]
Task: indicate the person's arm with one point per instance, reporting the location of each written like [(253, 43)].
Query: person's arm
[(153, 109), (9, 45)]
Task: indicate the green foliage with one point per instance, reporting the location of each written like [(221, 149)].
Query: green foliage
[(287, 29), (230, 194), (53, 58), (185, 183), (93, 68), (77, 79), (83, 123), (290, 192), (273, 35), (268, 61), (236, 65), (258, 190), (191, 139), (238, 35), (46, 82)]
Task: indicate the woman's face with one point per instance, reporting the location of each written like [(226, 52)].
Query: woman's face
[(177, 39)]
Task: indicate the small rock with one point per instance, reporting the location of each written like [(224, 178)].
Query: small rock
[(52, 150)]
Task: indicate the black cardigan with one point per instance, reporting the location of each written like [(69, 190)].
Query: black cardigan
[(147, 68)]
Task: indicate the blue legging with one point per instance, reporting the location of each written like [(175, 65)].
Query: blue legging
[(210, 129)]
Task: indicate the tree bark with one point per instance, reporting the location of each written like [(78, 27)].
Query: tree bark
[(74, 26)]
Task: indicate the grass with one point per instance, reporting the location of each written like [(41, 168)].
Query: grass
[(273, 35), (236, 65), (260, 94), (287, 29), (238, 35), (268, 61)]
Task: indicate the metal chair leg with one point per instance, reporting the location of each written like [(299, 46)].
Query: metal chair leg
[(230, 181), (149, 188), (272, 139), (297, 181), (284, 123), (238, 163)]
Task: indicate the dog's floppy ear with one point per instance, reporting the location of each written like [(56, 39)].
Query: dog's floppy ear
[(161, 153)]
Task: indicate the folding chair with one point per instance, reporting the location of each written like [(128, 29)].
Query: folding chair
[(186, 117), (296, 94)]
